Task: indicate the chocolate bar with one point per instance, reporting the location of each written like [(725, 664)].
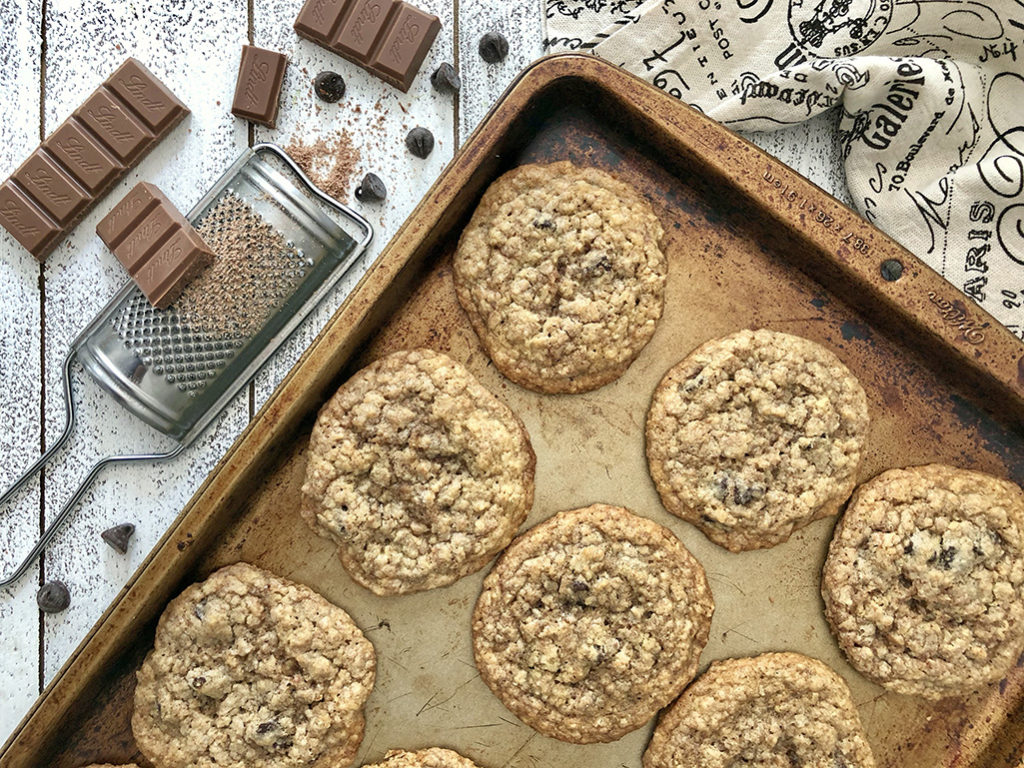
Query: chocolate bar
[(155, 243), (258, 91), (88, 153), (387, 38)]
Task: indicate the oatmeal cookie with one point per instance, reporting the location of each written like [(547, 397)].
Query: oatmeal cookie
[(417, 472), (924, 580), (591, 622), (249, 670), (111, 765), (562, 276), (772, 710), (755, 435), (433, 757)]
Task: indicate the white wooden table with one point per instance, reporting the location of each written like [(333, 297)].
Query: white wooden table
[(55, 52)]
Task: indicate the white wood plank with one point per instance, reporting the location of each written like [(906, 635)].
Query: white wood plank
[(20, 371), (483, 83), (376, 118), (192, 45)]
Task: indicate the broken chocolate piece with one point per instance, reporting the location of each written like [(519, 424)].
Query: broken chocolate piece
[(387, 38), (493, 47), (420, 142), (53, 597), (119, 536), (86, 155), (155, 243), (258, 90), (329, 86), (445, 79), (371, 189)]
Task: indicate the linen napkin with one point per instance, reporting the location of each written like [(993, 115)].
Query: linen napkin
[(931, 94)]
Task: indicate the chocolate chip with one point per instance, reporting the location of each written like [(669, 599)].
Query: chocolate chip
[(946, 557), (909, 548), (544, 223), (446, 79), (744, 494), (118, 536), (580, 586), (329, 86), (53, 597), (371, 189), (267, 726), (493, 47), (420, 142)]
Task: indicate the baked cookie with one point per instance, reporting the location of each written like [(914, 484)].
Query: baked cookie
[(111, 765), (417, 472), (772, 710), (433, 757), (924, 580), (591, 622), (562, 276), (249, 670), (755, 435)]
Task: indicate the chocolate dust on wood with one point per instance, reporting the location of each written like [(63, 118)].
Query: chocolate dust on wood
[(329, 161)]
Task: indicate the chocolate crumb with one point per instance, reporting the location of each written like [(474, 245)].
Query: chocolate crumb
[(420, 142), (329, 86), (371, 189), (329, 161), (118, 536), (53, 597), (445, 79), (493, 47)]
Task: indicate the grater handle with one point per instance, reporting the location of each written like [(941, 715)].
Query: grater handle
[(69, 423), (53, 527), (284, 157)]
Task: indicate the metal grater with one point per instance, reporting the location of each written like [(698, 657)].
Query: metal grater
[(177, 373)]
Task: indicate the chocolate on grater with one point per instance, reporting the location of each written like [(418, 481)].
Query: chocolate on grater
[(387, 38), (281, 245), (86, 155), (258, 90), (155, 243)]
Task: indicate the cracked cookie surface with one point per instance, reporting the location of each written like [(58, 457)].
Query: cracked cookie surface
[(432, 757), (417, 472), (249, 670), (924, 580), (591, 622), (754, 435), (773, 710), (562, 276)]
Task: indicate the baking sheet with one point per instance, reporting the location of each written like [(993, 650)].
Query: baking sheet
[(750, 244)]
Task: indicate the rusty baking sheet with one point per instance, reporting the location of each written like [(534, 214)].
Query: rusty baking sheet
[(750, 244)]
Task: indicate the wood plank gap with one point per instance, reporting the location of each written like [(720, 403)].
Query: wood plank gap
[(41, 626), (455, 63)]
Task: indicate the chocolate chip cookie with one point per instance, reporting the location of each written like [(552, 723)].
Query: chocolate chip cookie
[(591, 622), (562, 276), (433, 757), (772, 710), (250, 670), (417, 472), (755, 435), (924, 581)]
